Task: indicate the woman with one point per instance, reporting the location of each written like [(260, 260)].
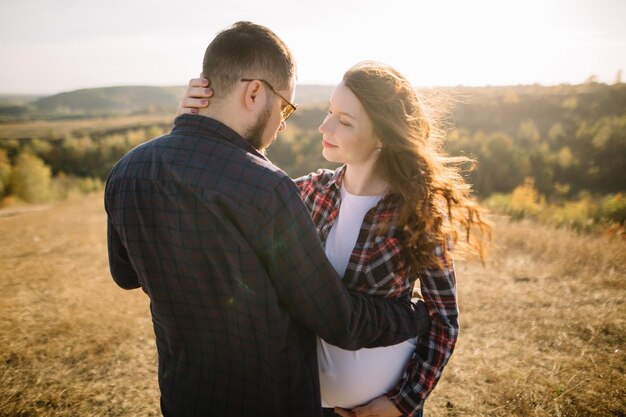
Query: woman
[(387, 217)]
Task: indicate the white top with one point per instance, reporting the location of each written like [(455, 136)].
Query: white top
[(352, 378), (344, 233)]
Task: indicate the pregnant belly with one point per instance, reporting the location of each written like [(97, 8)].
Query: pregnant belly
[(352, 378)]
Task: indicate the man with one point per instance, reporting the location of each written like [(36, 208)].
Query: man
[(218, 238)]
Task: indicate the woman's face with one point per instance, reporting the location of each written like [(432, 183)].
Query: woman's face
[(347, 132)]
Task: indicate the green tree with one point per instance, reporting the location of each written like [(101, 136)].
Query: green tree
[(39, 147), (501, 164), (528, 133), (525, 200), (557, 135), (30, 179)]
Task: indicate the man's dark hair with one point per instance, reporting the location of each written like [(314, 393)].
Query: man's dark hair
[(247, 50)]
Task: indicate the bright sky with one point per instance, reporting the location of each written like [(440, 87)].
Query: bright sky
[(49, 46)]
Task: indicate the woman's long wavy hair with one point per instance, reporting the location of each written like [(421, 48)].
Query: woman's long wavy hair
[(435, 201)]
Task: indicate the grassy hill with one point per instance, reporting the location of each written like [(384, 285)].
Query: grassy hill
[(17, 99), (111, 100), (120, 100), (542, 325), (474, 107)]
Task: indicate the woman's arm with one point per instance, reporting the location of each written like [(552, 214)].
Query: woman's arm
[(431, 354), (433, 351)]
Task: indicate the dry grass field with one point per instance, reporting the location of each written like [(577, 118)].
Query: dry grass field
[(59, 128), (543, 325)]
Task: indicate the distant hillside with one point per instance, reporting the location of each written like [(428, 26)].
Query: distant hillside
[(17, 99), (16, 106), (119, 100), (111, 100), (473, 107)]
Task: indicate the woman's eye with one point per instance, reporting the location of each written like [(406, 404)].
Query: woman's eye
[(343, 122)]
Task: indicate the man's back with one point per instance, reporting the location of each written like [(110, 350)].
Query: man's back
[(190, 212)]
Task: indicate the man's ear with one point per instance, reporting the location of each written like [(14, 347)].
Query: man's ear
[(252, 95)]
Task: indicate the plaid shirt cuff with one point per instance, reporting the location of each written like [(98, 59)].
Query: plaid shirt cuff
[(405, 405)]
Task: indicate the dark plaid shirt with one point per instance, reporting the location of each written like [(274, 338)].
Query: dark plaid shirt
[(375, 268), (238, 281)]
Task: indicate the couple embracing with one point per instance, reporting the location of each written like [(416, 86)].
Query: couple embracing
[(278, 297)]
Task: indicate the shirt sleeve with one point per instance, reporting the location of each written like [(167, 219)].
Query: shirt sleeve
[(122, 270), (433, 351), (310, 290)]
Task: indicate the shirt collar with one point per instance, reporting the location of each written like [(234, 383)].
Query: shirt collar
[(196, 125), (337, 178)]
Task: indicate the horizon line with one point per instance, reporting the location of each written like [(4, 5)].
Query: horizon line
[(536, 84)]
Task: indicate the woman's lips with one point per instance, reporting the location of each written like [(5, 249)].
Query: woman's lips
[(327, 144)]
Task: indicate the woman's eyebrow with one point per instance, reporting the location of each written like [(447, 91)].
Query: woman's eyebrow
[(346, 114), (343, 113)]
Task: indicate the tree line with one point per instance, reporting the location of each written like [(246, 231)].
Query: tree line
[(567, 142), (42, 169)]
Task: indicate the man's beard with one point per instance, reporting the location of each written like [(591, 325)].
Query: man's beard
[(254, 135)]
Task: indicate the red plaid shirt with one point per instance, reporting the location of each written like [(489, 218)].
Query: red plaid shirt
[(375, 268)]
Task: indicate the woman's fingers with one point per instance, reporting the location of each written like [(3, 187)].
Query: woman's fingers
[(190, 105), (199, 82), (186, 110), (199, 92), (199, 87), (196, 103)]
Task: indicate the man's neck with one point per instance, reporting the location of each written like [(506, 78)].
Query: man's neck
[(232, 122), (224, 115)]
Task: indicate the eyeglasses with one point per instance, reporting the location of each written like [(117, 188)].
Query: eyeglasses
[(286, 110)]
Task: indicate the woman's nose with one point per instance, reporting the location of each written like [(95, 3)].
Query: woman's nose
[(324, 126)]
